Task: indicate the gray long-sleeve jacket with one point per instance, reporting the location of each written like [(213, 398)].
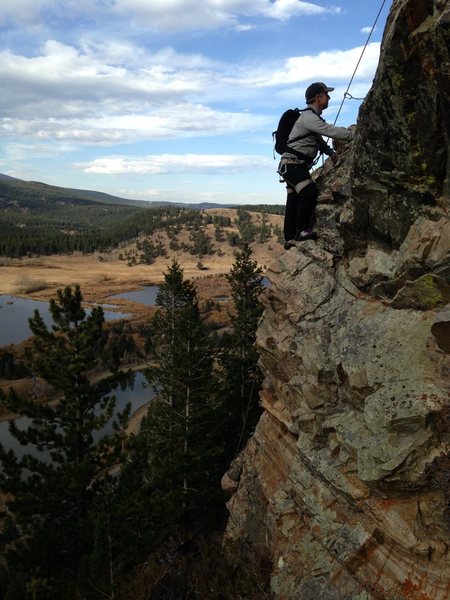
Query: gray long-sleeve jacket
[(310, 121)]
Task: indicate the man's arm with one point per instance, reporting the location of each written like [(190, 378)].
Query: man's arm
[(324, 147), (316, 124)]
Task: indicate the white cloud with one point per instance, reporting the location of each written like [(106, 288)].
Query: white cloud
[(38, 13), (22, 10), (331, 66), (168, 15), (175, 15), (175, 164), (284, 9), (83, 74), (178, 15), (173, 122), (115, 92), (64, 80), (367, 30), (85, 95)]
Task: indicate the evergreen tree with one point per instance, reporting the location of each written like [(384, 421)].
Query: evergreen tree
[(178, 452), (239, 357), (187, 456), (52, 489)]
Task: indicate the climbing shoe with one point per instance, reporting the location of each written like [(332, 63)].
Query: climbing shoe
[(288, 244), (307, 234)]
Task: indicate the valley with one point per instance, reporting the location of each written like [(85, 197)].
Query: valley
[(102, 274)]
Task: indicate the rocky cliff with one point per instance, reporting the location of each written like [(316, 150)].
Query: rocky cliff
[(344, 481)]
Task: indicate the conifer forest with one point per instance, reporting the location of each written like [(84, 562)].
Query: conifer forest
[(91, 511)]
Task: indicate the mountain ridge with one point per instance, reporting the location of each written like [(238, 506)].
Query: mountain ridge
[(9, 184)]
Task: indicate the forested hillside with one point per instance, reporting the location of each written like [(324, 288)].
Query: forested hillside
[(36, 195), (39, 219)]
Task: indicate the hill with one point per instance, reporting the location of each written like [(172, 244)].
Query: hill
[(53, 236), (17, 194), (36, 196), (204, 248), (36, 218)]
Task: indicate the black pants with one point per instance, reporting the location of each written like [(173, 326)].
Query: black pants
[(300, 207)]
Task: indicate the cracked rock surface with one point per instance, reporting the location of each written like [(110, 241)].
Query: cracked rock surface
[(336, 483)]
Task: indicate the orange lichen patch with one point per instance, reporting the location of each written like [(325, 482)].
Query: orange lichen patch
[(411, 591), (378, 591), (388, 503)]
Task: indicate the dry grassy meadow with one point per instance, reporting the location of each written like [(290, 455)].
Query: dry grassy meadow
[(101, 275)]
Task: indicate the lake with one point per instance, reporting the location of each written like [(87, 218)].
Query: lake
[(138, 393), (15, 312), (146, 296)]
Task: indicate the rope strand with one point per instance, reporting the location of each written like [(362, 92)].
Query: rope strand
[(346, 94)]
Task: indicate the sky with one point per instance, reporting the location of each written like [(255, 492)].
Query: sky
[(172, 100)]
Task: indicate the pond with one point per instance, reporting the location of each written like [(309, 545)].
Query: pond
[(137, 393), (15, 312), (146, 296)]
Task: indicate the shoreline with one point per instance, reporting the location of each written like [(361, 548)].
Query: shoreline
[(27, 381)]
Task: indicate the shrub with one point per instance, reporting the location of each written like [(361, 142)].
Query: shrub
[(27, 285)]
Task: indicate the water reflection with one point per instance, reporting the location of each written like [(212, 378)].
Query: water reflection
[(137, 393), (15, 312)]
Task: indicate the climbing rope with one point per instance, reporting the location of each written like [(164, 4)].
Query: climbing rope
[(346, 94)]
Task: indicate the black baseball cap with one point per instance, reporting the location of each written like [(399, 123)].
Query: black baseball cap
[(314, 89)]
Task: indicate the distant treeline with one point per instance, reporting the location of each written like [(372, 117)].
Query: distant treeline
[(94, 227), (39, 219), (86, 228), (270, 209)]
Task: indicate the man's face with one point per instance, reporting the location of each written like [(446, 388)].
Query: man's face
[(324, 98)]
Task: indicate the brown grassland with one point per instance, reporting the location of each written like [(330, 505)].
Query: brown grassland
[(103, 274)]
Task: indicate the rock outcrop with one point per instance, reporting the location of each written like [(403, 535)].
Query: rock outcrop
[(338, 483), (403, 160)]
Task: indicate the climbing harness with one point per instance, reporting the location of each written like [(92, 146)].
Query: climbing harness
[(346, 94)]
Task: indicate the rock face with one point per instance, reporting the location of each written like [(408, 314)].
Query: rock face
[(403, 160), (337, 482)]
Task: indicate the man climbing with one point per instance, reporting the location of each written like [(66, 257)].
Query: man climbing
[(305, 141)]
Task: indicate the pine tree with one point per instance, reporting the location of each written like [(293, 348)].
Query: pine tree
[(178, 451), (52, 489), (239, 357), (187, 457)]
